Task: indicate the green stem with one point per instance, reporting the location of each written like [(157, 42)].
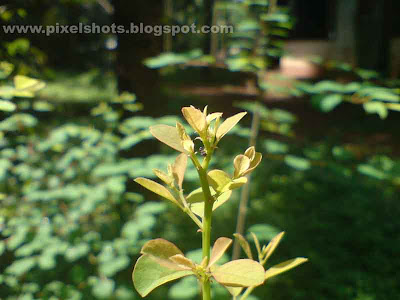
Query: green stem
[(247, 293), (207, 218)]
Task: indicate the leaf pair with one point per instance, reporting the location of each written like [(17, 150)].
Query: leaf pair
[(162, 261), (245, 164), (263, 254), (176, 174)]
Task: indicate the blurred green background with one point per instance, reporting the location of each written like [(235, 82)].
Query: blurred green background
[(320, 80)]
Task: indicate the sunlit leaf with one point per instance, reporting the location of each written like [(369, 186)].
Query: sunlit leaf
[(163, 176), (195, 118), (244, 244), (250, 152), (283, 267), (183, 261), (26, 86), (198, 207), (241, 272), (179, 168), (272, 245), (241, 163), (219, 248), (160, 248), (254, 163), (237, 183), (149, 274), (156, 188), (228, 124), (219, 180), (7, 106), (376, 107), (168, 135)]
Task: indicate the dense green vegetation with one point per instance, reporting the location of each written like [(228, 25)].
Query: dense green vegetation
[(72, 221)]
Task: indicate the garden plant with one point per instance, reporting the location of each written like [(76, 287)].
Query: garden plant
[(161, 260)]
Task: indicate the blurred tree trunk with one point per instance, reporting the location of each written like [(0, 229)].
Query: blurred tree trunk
[(208, 20), (373, 34), (133, 48)]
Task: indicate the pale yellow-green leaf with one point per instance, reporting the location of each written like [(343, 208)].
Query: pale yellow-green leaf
[(179, 168), (26, 86), (254, 163), (244, 244), (241, 272), (283, 267), (237, 183), (183, 261), (148, 274), (213, 116), (160, 248), (198, 207), (156, 188), (228, 124), (195, 196), (272, 245), (219, 180), (256, 242), (241, 163), (250, 152), (168, 135), (234, 291), (164, 177), (205, 110), (393, 106), (7, 106), (195, 118), (219, 248), (182, 132)]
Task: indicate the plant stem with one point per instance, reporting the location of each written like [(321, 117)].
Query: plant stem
[(207, 217), (247, 293)]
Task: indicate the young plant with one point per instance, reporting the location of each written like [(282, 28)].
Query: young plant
[(162, 261)]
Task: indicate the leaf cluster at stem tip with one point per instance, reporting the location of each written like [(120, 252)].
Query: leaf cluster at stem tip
[(162, 261)]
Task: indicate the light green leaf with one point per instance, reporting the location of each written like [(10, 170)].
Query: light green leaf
[(198, 207), (167, 135), (254, 163), (298, 163), (103, 288), (376, 107), (327, 103), (272, 245), (241, 272), (237, 183), (163, 176), (26, 86), (219, 180), (228, 124), (160, 248), (244, 244), (183, 261), (195, 118), (179, 168), (241, 163), (156, 188), (283, 267), (195, 196), (7, 106), (149, 274), (21, 266), (219, 248)]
